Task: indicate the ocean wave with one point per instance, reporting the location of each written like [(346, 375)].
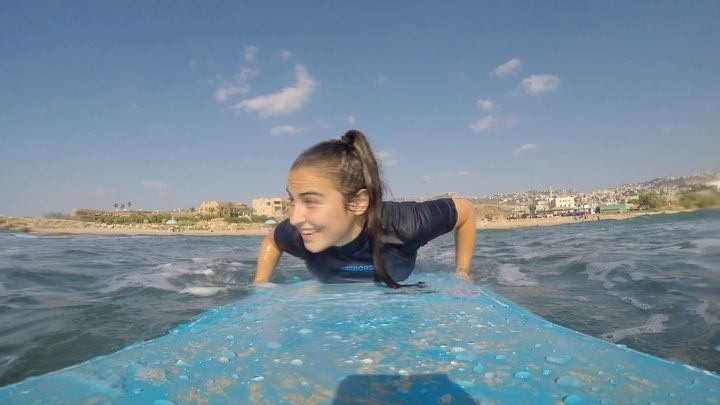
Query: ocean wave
[(654, 324), (599, 271), (202, 291), (701, 311), (510, 275), (629, 300)]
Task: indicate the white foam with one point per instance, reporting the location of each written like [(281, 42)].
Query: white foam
[(600, 271), (701, 311), (202, 291), (707, 244), (636, 276), (629, 300), (155, 280), (511, 275), (654, 324)]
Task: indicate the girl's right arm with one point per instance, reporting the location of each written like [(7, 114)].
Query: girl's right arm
[(268, 257)]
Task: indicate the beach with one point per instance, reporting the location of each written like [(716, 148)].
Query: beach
[(44, 226)]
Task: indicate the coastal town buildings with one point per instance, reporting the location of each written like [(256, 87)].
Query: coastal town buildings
[(223, 208), (271, 207)]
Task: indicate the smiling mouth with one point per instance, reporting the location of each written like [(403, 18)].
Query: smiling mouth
[(307, 234)]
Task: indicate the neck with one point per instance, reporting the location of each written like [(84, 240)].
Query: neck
[(355, 230)]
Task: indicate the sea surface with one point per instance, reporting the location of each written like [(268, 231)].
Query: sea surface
[(651, 283)]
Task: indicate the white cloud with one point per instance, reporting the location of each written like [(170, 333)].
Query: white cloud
[(485, 104), (103, 191), (237, 85), (351, 119), (284, 55), (512, 122), (523, 149), (443, 175), (285, 101), (431, 177), (156, 186), (386, 157), (250, 53), (285, 130), (508, 67), (483, 124), (537, 84)]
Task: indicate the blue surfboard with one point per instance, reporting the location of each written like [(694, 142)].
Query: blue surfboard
[(450, 342)]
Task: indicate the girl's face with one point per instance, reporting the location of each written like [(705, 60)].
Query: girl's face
[(318, 211)]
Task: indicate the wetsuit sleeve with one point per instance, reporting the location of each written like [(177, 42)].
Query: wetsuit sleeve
[(417, 223), (288, 239)]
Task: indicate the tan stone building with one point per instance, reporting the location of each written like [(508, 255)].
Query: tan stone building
[(271, 207), (215, 207), (562, 202)]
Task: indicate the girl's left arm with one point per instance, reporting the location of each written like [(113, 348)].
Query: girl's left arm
[(465, 231)]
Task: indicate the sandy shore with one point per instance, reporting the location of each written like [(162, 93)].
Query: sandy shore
[(43, 226), (530, 222)]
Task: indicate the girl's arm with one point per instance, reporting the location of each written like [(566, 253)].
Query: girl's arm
[(268, 257), (464, 236)]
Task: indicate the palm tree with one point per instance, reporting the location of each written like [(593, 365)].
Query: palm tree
[(116, 206), (129, 204), (122, 207)]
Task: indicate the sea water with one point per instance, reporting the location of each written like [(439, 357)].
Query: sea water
[(651, 283)]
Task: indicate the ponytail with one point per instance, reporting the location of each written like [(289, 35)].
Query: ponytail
[(374, 187)]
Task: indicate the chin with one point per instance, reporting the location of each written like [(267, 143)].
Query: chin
[(314, 248)]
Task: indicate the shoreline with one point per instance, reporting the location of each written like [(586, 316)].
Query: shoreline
[(553, 221), (59, 227)]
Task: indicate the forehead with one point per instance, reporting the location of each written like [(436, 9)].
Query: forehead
[(308, 179)]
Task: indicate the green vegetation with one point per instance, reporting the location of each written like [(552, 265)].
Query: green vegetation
[(700, 197), (653, 201), (185, 218), (56, 215)]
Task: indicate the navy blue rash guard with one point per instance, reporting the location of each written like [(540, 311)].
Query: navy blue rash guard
[(406, 227)]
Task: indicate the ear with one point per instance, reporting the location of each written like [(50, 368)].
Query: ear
[(359, 204)]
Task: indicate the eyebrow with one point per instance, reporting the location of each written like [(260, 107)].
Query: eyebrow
[(307, 194)]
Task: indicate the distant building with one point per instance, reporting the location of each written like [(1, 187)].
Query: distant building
[(215, 207), (562, 202), (614, 208), (541, 206), (271, 207), (520, 211)]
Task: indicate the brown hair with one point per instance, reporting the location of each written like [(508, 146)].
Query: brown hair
[(350, 163)]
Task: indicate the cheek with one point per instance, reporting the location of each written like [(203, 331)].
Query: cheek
[(329, 218)]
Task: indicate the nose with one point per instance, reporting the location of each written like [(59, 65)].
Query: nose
[(296, 215)]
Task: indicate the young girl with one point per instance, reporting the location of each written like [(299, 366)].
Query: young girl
[(343, 230)]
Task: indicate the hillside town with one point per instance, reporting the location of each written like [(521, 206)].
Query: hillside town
[(527, 204), (496, 211)]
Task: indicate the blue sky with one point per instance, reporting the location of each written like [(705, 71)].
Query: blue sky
[(170, 103)]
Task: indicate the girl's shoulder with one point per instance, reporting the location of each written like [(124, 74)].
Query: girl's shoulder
[(416, 223)]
